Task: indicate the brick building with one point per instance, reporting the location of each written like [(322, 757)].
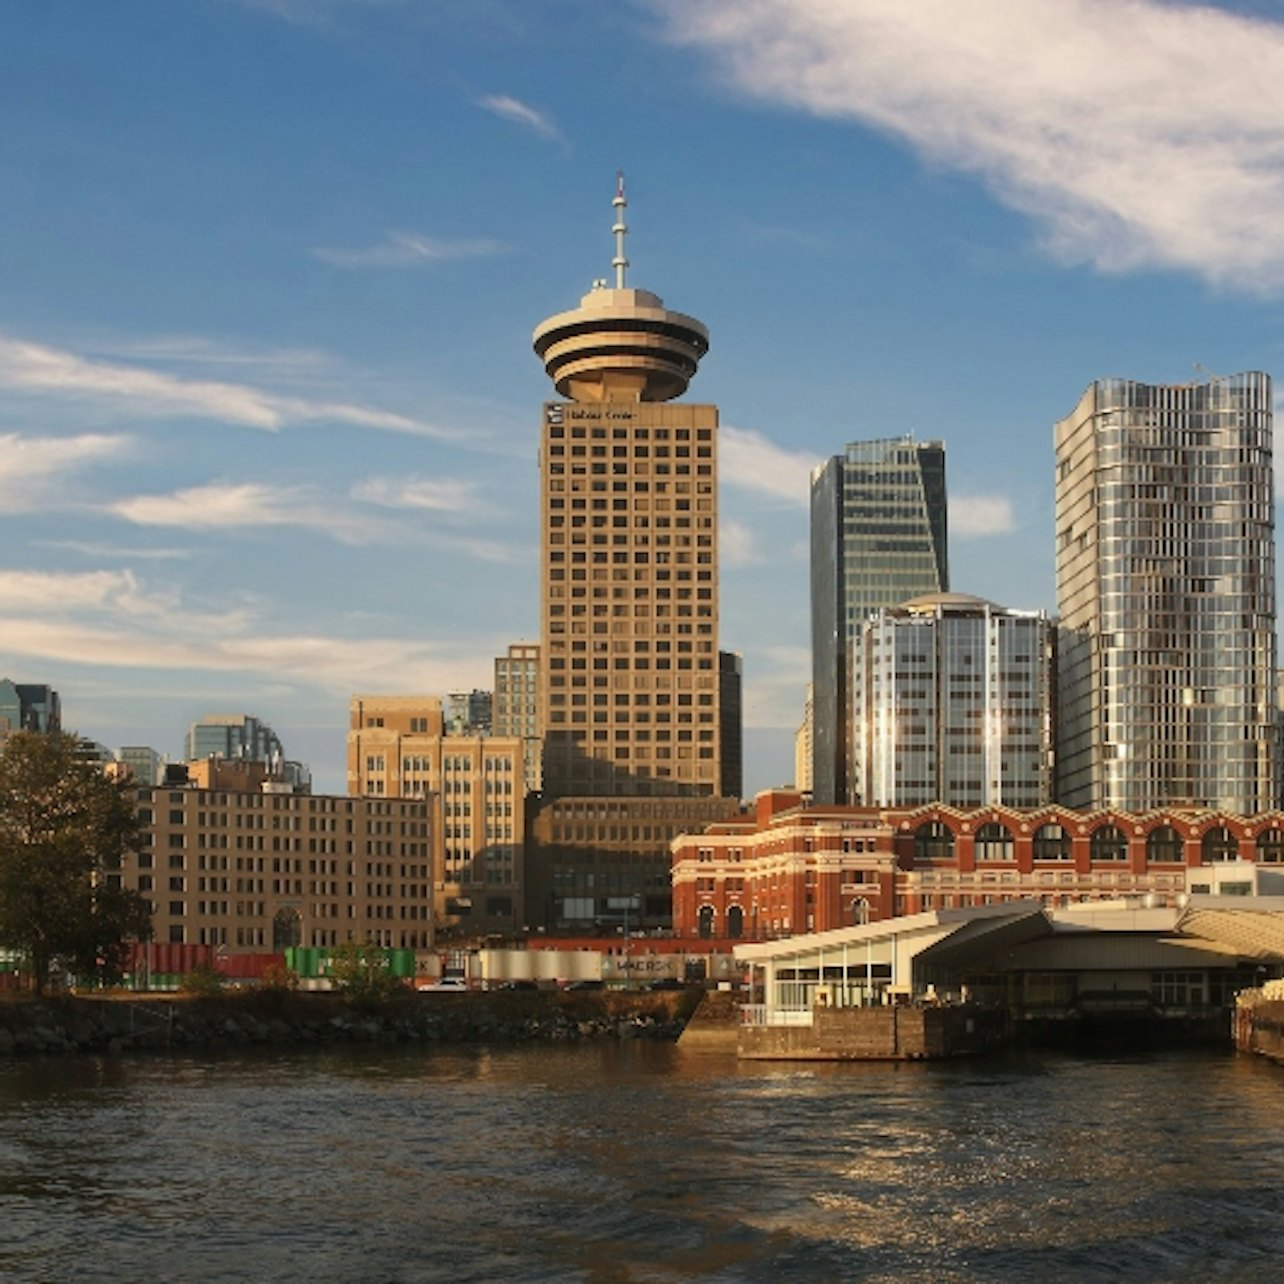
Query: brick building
[(790, 868)]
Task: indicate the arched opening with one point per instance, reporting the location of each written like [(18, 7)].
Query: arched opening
[(735, 922), (1109, 843), (1051, 842), (1270, 847), (705, 922), (993, 842), (1219, 844), (934, 841)]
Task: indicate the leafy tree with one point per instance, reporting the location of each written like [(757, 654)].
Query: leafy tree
[(204, 981), (64, 827), (360, 970)]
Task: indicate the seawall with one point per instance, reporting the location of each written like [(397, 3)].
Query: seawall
[(112, 1025)]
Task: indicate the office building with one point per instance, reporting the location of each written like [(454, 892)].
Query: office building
[(469, 712), (631, 685), (1165, 556), (474, 790), (28, 706), (245, 737), (878, 538), (247, 870), (516, 709), (952, 702)]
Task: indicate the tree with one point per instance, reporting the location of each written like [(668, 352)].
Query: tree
[(64, 827), (360, 970)]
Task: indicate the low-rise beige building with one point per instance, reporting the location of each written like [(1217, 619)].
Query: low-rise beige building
[(256, 870)]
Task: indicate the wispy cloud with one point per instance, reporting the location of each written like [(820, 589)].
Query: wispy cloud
[(736, 545), (521, 113), (242, 506), (408, 249), (442, 495), (752, 461), (32, 469), (978, 515), (35, 368), (1139, 134)]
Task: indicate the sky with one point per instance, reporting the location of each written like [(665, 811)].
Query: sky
[(269, 269)]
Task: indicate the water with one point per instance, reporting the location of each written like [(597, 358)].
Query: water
[(638, 1162)]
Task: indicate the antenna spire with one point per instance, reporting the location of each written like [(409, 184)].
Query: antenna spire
[(620, 263)]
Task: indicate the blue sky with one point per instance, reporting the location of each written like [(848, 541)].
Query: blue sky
[(269, 270)]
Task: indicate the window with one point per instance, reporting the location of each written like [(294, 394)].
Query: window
[(1051, 842), (1109, 843), (1270, 847), (993, 842), (1219, 844), (1163, 846), (934, 841)]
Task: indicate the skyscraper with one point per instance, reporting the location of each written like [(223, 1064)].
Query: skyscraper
[(1166, 585), (630, 685), (629, 507), (878, 538)]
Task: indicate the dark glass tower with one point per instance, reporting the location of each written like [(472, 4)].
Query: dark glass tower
[(878, 539)]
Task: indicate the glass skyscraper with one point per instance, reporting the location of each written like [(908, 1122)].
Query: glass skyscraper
[(952, 702), (878, 538), (1165, 550)]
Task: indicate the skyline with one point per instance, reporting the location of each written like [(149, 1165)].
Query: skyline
[(267, 395)]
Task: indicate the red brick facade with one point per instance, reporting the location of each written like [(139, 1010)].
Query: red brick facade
[(790, 868)]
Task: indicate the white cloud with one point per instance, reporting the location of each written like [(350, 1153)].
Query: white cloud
[(976, 515), (450, 495), (752, 461), (520, 113), (1138, 134), (407, 249), (35, 368), (246, 505), (32, 468), (736, 546)]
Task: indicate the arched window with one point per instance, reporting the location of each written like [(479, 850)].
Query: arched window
[(993, 842), (287, 929), (1219, 844), (1109, 843), (934, 841), (735, 922), (1270, 847), (1164, 846), (1051, 842), (706, 922)]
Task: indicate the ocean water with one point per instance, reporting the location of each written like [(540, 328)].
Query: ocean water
[(637, 1161)]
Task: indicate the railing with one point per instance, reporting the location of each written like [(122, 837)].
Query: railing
[(758, 1014)]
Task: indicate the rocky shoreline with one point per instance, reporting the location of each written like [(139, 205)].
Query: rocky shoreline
[(116, 1025)]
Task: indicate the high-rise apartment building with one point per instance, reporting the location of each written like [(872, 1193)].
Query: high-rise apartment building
[(1166, 585), (630, 677), (878, 538), (952, 702)]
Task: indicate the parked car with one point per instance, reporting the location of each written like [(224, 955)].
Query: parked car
[(448, 984), (523, 984), (584, 985), (665, 983)]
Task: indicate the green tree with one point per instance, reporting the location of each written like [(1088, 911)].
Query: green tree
[(64, 827), (360, 970)]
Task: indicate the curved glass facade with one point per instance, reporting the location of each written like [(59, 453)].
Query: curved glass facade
[(1166, 585)]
